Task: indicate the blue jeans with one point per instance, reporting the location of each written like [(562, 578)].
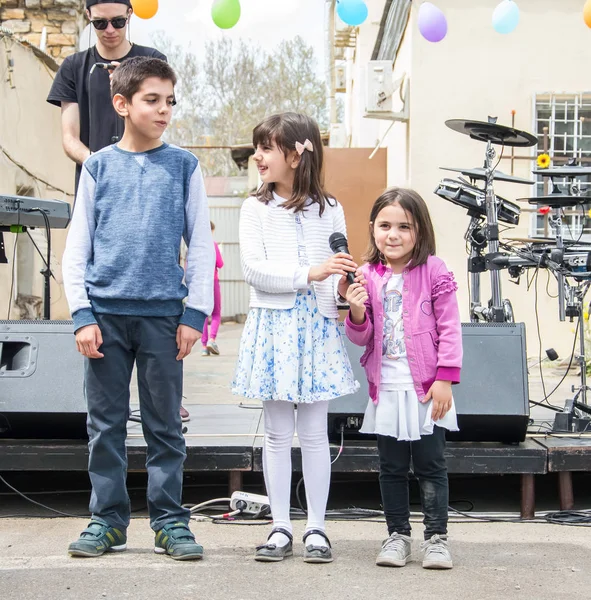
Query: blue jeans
[(150, 343), (429, 467)]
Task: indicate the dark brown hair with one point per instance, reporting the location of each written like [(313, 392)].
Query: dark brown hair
[(416, 207), (285, 130), (129, 76)]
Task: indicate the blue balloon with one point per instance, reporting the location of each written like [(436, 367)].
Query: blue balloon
[(505, 17), (352, 12)]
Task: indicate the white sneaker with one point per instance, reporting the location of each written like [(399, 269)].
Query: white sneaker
[(213, 347), (437, 554), (395, 551)]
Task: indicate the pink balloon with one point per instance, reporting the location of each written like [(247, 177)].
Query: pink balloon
[(432, 22)]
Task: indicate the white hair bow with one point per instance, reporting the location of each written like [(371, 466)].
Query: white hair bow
[(307, 145)]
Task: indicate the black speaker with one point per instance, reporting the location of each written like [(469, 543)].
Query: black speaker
[(41, 381), (347, 411), (492, 400)]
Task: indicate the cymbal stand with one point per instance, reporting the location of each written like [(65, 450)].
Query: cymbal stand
[(479, 235), (496, 310), (476, 237)]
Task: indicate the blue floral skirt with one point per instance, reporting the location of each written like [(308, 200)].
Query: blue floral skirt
[(296, 355)]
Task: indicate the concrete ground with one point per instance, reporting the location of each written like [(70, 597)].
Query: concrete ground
[(495, 561)]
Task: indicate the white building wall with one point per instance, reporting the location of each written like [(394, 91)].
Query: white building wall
[(475, 72)]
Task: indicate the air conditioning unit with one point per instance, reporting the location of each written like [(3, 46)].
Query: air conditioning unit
[(379, 86), (381, 89)]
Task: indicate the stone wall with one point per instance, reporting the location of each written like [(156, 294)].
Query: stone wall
[(63, 20)]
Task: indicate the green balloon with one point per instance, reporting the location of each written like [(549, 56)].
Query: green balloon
[(225, 13)]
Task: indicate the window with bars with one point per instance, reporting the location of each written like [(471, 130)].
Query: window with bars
[(567, 118)]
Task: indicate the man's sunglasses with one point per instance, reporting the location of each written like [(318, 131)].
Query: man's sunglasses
[(117, 22)]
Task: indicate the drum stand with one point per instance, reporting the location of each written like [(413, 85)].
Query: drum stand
[(571, 300), (479, 235)]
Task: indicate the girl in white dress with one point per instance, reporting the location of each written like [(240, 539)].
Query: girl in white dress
[(292, 352)]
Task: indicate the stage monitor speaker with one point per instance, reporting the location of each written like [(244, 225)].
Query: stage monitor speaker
[(492, 401), (41, 381)]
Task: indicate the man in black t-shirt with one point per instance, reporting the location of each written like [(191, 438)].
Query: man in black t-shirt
[(89, 121)]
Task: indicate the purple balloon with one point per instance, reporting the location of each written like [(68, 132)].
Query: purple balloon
[(432, 22)]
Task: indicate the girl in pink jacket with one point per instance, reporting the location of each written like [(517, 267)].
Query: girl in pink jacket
[(407, 317)]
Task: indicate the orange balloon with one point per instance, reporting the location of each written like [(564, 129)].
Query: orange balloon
[(587, 13), (145, 9)]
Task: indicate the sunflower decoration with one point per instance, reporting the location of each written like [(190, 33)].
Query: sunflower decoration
[(543, 161)]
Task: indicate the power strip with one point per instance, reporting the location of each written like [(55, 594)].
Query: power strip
[(249, 504)]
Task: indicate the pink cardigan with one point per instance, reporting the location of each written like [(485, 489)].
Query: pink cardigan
[(431, 319)]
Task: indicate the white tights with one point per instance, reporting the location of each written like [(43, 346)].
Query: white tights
[(280, 424)]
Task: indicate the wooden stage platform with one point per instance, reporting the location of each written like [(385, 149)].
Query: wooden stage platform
[(229, 438)]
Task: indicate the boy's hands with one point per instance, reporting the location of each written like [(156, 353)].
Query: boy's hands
[(440, 391), (356, 296), (337, 264), (186, 337), (88, 340)]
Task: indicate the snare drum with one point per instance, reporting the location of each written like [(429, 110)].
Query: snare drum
[(474, 200)]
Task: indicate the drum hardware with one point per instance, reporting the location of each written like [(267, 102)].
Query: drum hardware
[(557, 200), (473, 199), (569, 261), (566, 171), (479, 174), (491, 133), (484, 232)]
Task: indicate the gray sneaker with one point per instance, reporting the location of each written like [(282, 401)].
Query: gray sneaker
[(437, 554), (213, 347), (395, 551)]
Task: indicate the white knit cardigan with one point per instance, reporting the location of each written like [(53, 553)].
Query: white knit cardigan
[(269, 252)]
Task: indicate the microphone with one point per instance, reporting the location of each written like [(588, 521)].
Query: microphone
[(338, 243), (106, 66)]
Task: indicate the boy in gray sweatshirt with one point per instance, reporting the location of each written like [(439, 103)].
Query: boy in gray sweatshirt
[(136, 200)]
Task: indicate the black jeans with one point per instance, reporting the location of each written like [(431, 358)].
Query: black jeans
[(429, 467)]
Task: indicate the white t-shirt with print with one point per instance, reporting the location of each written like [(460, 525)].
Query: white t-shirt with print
[(395, 367)]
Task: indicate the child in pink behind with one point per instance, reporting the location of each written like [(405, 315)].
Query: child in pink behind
[(208, 337)]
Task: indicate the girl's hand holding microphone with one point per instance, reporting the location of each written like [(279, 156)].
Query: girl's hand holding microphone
[(356, 297), (337, 264)]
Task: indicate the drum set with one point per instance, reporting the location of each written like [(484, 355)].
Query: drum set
[(567, 259)]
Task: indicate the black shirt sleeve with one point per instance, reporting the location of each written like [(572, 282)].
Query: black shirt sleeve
[(63, 88)]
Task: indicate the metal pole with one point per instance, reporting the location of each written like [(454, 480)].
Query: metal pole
[(582, 362), (331, 102), (493, 235)]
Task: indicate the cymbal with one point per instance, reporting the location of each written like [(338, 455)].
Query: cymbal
[(480, 173), (491, 132), (563, 171), (557, 200)]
